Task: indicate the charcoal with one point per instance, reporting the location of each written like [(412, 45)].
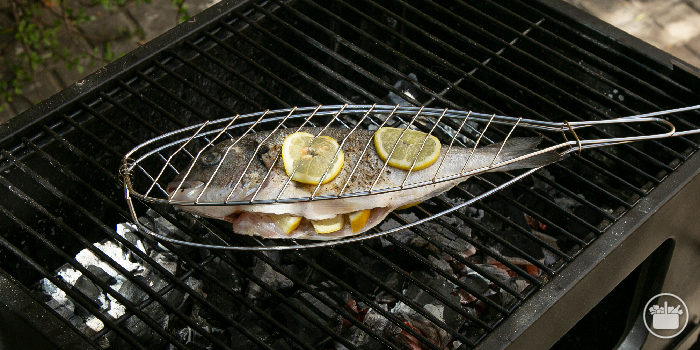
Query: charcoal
[(493, 271), (195, 341), (441, 264), (520, 241), (270, 277), (257, 329), (101, 275), (406, 87), (394, 281), (361, 339), (431, 305), (303, 327), (225, 273), (223, 302), (477, 284), (131, 233), (85, 286), (165, 259), (141, 332), (132, 292)]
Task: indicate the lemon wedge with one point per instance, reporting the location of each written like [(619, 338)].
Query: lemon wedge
[(407, 149), (286, 222), (311, 159), (328, 225), (359, 219)]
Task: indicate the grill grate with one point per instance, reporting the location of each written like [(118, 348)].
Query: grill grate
[(61, 195)]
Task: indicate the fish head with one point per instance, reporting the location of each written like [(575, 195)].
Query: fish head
[(216, 175)]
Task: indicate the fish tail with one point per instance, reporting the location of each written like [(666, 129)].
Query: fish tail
[(520, 146)]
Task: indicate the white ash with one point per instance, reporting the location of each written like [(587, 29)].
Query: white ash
[(549, 257), (65, 306)]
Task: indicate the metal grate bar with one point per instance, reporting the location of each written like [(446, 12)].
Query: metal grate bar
[(376, 307), (423, 286), (579, 198), (280, 60), (209, 97), (449, 85), (245, 301), (198, 268), (65, 288), (262, 284), (316, 64), (541, 218), (165, 273), (228, 69), (354, 66), (503, 77), (104, 257), (570, 80), (105, 287), (419, 309), (155, 131), (660, 79)]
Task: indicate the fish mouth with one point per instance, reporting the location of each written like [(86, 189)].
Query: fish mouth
[(185, 190)]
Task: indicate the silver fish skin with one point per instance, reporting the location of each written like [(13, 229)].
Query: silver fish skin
[(234, 156)]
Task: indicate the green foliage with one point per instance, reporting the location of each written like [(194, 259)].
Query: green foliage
[(36, 33)]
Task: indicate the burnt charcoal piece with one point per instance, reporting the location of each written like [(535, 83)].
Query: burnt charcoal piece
[(101, 275), (270, 277), (258, 330), (476, 283), (374, 321), (520, 241), (85, 286), (394, 281), (314, 308), (223, 302), (431, 305)]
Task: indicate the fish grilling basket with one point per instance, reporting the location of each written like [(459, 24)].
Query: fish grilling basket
[(161, 169)]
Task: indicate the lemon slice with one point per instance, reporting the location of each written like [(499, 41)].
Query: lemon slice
[(407, 149), (286, 222), (359, 219), (328, 225), (311, 159)]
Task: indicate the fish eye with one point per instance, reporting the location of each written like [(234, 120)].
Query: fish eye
[(210, 158)]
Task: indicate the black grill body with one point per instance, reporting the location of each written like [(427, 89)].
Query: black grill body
[(632, 212)]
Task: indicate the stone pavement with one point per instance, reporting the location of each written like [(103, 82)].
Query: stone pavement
[(671, 25), (125, 28)]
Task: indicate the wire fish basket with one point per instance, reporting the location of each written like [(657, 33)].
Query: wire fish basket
[(232, 165)]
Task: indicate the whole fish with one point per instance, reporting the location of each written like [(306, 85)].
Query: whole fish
[(231, 158)]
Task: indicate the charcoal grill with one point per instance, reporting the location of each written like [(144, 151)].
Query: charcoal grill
[(516, 270)]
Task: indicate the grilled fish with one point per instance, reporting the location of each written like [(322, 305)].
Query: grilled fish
[(231, 157)]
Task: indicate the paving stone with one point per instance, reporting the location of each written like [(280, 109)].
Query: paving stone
[(653, 7), (680, 23), (647, 30), (196, 6), (6, 114), (613, 12), (686, 54), (154, 18), (109, 26)]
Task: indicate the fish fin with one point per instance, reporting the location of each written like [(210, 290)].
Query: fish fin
[(520, 146)]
